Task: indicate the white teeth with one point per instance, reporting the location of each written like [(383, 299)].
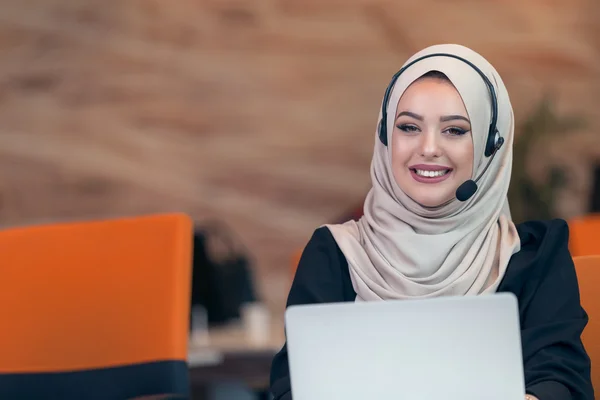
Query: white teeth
[(431, 174)]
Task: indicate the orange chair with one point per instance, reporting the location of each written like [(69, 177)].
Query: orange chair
[(585, 235), (294, 261), (588, 275), (95, 310)]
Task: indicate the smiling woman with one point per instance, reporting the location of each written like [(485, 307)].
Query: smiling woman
[(432, 147), (437, 222)]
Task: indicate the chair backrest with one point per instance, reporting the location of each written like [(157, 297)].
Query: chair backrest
[(584, 238), (294, 261), (96, 309), (588, 276)]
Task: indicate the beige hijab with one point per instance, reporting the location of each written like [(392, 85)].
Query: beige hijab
[(401, 250)]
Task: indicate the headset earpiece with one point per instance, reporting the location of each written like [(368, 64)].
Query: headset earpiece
[(494, 142), (382, 129)]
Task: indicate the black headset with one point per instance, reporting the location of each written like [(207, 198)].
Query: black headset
[(494, 140)]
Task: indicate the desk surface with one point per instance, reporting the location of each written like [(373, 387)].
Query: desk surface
[(229, 354), (232, 340)]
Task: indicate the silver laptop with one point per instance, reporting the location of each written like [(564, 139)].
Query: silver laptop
[(450, 348)]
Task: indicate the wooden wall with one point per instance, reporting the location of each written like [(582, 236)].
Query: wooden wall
[(260, 112)]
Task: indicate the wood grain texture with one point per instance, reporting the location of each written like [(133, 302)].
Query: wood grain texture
[(261, 112)]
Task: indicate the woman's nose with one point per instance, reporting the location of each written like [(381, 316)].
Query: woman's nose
[(430, 145)]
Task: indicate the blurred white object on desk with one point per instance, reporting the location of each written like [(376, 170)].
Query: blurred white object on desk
[(204, 357), (199, 329), (256, 322)]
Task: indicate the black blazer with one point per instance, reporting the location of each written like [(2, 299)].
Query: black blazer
[(541, 275)]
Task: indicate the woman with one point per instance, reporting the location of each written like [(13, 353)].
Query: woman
[(437, 223)]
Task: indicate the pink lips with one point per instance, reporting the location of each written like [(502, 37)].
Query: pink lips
[(428, 167)]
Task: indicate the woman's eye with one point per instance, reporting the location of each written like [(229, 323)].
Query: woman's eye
[(456, 131), (408, 128)]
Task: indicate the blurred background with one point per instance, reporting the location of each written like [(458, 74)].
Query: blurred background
[(261, 114)]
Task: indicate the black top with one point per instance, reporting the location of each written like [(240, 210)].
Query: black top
[(541, 275)]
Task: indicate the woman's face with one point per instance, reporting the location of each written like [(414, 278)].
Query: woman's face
[(432, 146)]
